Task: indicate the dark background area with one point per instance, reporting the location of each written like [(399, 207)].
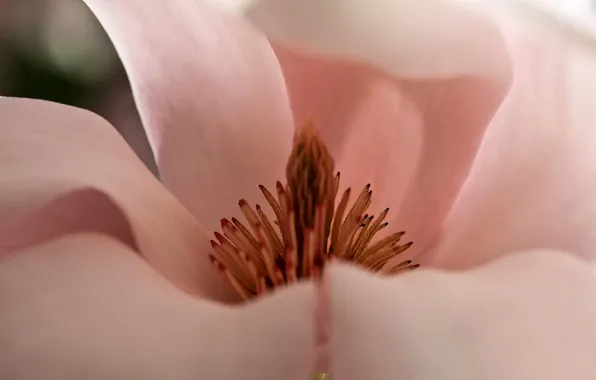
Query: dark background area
[(56, 50)]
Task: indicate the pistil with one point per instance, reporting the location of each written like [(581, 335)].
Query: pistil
[(307, 231)]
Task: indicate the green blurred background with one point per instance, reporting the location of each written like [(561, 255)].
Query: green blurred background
[(56, 50)]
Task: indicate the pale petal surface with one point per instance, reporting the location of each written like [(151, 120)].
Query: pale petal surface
[(65, 169), (402, 94), (534, 181), (87, 307), (211, 96), (528, 316)]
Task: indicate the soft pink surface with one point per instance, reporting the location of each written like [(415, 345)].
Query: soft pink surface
[(533, 184), (85, 229), (528, 316), (401, 92), (66, 170), (414, 140), (87, 307), (211, 96), (406, 114)]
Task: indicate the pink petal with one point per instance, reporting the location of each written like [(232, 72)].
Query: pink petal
[(85, 306), (65, 170), (402, 92), (534, 182), (211, 96), (530, 316)]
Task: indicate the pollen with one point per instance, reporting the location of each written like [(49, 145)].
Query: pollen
[(307, 230)]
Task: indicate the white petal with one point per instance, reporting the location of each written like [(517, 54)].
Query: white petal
[(403, 37)]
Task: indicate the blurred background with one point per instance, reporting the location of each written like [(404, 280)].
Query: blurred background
[(56, 50)]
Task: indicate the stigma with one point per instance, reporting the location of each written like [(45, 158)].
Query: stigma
[(309, 227)]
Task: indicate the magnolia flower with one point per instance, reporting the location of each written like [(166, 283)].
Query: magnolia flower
[(472, 128)]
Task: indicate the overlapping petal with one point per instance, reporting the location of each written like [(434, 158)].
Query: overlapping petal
[(86, 306), (534, 181), (66, 170), (402, 93), (211, 96), (529, 316)]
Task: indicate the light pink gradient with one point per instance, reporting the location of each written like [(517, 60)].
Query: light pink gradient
[(477, 133)]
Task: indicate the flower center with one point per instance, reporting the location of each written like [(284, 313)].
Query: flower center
[(307, 231)]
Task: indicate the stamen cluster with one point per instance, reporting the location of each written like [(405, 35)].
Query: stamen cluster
[(307, 230)]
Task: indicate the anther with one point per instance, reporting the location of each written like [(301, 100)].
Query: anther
[(307, 231)]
